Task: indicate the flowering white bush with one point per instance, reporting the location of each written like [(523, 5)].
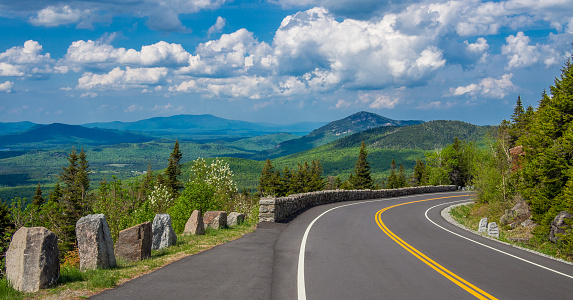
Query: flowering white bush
[(218, 174), (160, 198)]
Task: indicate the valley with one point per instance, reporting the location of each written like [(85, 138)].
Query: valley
[(37, 154)]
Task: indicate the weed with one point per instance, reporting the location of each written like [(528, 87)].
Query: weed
[(7, 292)]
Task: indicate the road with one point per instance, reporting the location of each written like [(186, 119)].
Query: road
[(398, 248)]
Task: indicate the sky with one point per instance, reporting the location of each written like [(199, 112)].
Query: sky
[(278, 61)]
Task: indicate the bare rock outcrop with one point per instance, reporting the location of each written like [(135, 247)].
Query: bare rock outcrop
[(95, 245), (559, 226), (33, 259), (516, 215), (134, 243), (195, 224), (163, 233)]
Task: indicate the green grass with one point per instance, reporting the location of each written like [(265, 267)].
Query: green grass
[(470, 215), (7, 292)]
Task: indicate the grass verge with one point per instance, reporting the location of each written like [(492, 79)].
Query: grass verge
[(469, 216), (76, 284)]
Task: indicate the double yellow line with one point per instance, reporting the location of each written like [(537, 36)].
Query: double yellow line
[(470, 288)]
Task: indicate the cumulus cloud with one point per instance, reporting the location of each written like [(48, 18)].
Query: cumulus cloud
[(488, 87), (27, 60), (122, 79), (217, 27), (161, 15), (52, 16), (521, 54), (6, 86), (357, 54), (232, 54), (82, 53)]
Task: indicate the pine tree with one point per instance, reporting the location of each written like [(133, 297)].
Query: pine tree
[(548, 166), (56, 193), (420, 176), (362, 180), (173, 171), (392, 181), (38, 199), (266, 184), (401, 177), (73, 201), (317, 181), (517, 128)]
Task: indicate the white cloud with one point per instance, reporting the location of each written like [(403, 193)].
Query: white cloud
[(217, 27), (488, 87), (52, 16), (479, 46), (133, 108), (93, 52), (359, 54), (521, 54), (27, 60), (122, 79), (6, 86), (234, 54), (384, 102), (88, 95)]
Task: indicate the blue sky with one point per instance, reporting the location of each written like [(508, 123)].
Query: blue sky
[(280, 61)]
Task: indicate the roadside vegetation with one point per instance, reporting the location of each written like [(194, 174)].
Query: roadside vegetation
[(529, 163)]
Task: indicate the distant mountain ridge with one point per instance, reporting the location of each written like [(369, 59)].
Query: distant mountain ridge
[(13, 127), (205, 124), (60, 134), (333, 131)]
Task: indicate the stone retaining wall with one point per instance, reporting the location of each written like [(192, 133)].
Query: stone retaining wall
[(279, 209)]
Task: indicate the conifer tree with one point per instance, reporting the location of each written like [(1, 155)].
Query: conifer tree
[(267, 186), (73, 202), (362, 179), (420, 176), (173, 171), (38, 199), (548, 166)]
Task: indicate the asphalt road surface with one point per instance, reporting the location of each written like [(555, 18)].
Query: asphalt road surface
[(398, 248)]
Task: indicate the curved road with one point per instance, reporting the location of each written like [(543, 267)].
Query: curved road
[(398, 248)]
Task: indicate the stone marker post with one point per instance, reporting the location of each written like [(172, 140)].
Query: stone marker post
[(163, 233), (95, 245), (33, 259), (493, 230), (482, 225), (134, 243)]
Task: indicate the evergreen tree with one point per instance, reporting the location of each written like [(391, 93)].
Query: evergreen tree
[(420, 176), (392, 181), (173, 171), (548, 151), (6, 231), (38, 199), (56, 193), (517, 128), (316, 180), (268, 184), (73, 202), (362, 180), (286, 179), (401, 177)]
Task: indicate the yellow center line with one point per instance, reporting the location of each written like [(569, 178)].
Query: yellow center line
[(470, 288)]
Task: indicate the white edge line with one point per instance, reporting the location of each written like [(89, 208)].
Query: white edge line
[(301, 288), (492, 248)]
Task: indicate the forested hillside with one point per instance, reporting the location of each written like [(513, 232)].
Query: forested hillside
[(333, 131)]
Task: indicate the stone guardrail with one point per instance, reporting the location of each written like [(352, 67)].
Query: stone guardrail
[(278, 209)]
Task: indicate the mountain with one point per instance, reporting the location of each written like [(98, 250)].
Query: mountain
[(427, 136), (62, 134), (333, 131), (197, 126), (13, 127)]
